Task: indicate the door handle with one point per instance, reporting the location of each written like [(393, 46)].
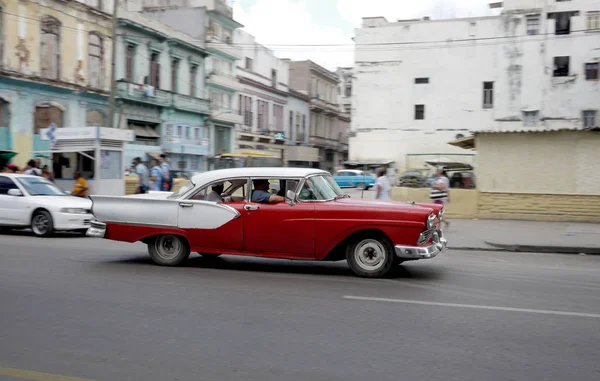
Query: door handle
[(251, 207), (186, 204)]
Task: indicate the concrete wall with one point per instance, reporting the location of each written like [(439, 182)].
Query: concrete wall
[(190, 21), (539, 163)]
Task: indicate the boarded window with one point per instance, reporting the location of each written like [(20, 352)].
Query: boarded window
[(46, 114), (174, 71), (50, 47), (94, 118), (95, 54), (193, 79), (129, 62), (155, 70), (419, 112)]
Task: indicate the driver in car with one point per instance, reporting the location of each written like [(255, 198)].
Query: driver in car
[(260, 193), (215, 195)]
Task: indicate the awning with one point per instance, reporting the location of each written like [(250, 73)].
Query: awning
[(449, 165), (367, 163), (145, 132), (7, 155), (465, 143)]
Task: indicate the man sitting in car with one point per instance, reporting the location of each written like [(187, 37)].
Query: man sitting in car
[(261, 194), (215, 195)]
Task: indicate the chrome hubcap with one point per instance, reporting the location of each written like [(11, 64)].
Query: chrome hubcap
[(370, 254), (40, 224), (168, 247)]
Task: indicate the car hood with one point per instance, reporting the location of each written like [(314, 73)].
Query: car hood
[(62, 201), (419, 208)]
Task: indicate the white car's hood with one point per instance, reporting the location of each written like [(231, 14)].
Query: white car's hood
[(62, 201)]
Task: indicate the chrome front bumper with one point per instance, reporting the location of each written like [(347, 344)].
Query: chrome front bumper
[(97, 229), (423, 252)]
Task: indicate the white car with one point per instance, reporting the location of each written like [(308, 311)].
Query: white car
[(33, 201)]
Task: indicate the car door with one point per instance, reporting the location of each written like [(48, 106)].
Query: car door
[(280, 229), (13, 209), (212, 226)]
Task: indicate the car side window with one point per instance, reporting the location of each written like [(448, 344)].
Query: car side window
[(351, 173), (6, 184), (306, 193)]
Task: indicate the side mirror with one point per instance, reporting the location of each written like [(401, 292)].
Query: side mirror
[(289, 196), (15, 192)]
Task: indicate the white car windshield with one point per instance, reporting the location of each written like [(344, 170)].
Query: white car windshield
[(39, 186), (183, 190), (320, 188)]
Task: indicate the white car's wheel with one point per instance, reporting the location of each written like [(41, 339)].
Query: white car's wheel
[(168, 250), (42, 224), (370, 257)]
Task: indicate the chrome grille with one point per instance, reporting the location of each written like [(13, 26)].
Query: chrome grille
[(425, 236)]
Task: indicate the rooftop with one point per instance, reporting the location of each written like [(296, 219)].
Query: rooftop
[(259, 172)]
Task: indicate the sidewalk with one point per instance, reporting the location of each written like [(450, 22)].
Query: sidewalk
[(523, 236)]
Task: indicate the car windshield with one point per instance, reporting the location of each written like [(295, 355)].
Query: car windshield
[(183, 190), (323, 187), (39, 186)]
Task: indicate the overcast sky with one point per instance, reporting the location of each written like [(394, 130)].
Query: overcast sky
[(284, 24)]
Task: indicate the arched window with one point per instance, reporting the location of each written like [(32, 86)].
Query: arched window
[(95, 60), (50, 47), (94, 118), (46, 114)]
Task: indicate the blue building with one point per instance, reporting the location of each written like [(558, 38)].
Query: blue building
[(161, 93)]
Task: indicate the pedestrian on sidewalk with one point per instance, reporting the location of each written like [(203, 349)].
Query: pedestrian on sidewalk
[(440, 188), (156, 176), (167, 179), (142, 172), (382, 186)]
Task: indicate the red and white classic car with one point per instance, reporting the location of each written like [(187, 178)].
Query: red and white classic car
[(310, 218)]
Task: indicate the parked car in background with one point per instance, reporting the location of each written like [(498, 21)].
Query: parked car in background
[(33, 201), (314, 220), (352, 178), (411, 179)]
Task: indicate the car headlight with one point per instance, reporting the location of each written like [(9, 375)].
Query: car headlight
[(441, 214), (75, 210), (430, 220)]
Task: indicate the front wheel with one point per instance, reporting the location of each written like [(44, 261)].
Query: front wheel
[(371, 257), (361, 186), (169, 250), (42, 224)]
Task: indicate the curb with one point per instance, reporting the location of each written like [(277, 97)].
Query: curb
[(546, 249)]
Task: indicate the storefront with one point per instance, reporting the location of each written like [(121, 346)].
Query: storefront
[(97, 152)]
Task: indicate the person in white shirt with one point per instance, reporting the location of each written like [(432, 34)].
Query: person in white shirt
[(215, 195), (383, 186), (440, 188)]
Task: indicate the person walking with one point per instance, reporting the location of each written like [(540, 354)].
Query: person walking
[(383, 186), (440, 188), (81, 186), (32, 168), (142, 173), (156, 176), (167, 180)]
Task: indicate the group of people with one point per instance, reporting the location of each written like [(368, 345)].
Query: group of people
[(33, 168), (158, 178), (438, 193)]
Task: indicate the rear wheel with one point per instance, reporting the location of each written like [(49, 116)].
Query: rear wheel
[(371, 256), (168, 250), (42, 224)]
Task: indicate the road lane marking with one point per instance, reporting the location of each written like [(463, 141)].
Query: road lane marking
[(36, 376), (475, 306)]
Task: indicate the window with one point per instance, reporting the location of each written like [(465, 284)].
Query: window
[(348, 91), (155, 70), (589, 118), (248, 64), (129, 62), (95, 55), (50, 47), (4, 113), (278, 117), (291, 121), (246, 110), (562, 22), (593, 20), (94, 118), (530, 118), (193, 79), (561, 66), (419, 112), (303, 125), (533, 25), (6, 184), (421, 80), (263, 115), (591, 71), (488, 94), (46, 114), (274, 77), (174, 71)]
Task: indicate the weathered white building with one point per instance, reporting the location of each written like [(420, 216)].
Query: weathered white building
[(345, 75), (422, 83)]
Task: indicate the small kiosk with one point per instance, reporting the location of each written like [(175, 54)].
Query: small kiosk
[(97, 152)]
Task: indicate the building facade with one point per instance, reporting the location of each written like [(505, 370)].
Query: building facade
[(161, 92), (345, 75), (210, 21), (299, 153), (328, 128), (54, 68), (533, 66)]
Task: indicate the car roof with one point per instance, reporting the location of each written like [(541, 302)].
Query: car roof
[(219, 174), (15, 175), (350, 170)]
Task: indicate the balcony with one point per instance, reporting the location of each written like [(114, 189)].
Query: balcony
[(135, 92), (300, 153), (188, 146), (5, 139), (227, 116), (223, 80), (319, 105), (322, 142), (215, 44)]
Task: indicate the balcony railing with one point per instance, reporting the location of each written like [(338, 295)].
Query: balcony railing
[(137, 92)]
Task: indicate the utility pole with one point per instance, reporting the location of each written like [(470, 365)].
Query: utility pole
[(113, 75)]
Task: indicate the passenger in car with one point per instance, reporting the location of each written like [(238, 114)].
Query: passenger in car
[(215, 195), (261, 194)]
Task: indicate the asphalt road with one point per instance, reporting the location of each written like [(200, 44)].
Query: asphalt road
[(99, 310)]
